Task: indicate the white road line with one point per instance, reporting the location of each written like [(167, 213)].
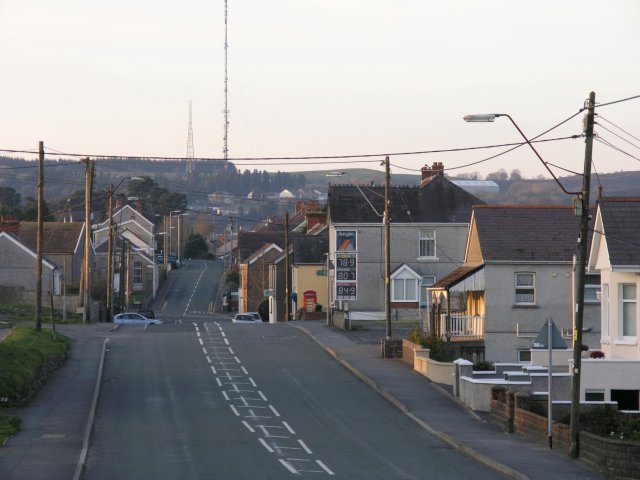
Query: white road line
[(324, 467), (286, 425), (253, 383), (304, 445), (208, 359), (226, 341), (235, 410), (231, 351), (244, 422), (244, 370), (224, 394), (201, 342), (262, 395), (219, 382), (222, 333), (266, 445), (204, 350), (275, 412), (288, 466), (213, 369), (237, 359)]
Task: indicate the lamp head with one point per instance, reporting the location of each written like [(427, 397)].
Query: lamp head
[(483, 117)]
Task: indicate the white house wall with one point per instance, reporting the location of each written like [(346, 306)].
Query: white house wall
[(615, 346)]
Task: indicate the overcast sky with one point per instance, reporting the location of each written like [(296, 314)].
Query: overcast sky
[(315, 78)]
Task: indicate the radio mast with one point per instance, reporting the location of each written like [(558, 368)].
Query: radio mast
[(190, 144), (225, 148)]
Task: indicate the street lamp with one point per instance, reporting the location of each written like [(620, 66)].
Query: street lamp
[(170, 227), (154, 287), (110, 246), (179, 229), (582, 207)]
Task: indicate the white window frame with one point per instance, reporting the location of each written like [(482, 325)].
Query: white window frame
[(137, 273), (425, 296), (518, 286), (621, 305), (400, 277), (428, 236)]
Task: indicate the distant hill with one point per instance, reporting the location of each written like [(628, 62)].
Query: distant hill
[(63, 177)]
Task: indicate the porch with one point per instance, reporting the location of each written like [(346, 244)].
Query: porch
[(461, 326)]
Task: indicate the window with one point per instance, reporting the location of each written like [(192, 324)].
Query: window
[(628, 309), (137, 273), (404, 290), (594, 395), (592, 288), (427, 281), (427, 244), (605, 310), (524, 356), (525, 288)]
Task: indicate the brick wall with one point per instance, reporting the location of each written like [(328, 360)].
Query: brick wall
[(617, 459)]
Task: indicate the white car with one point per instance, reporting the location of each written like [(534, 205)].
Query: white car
[(131, 318), (246, 318)]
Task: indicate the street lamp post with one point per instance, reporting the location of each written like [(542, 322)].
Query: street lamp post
[(583, 209), (170, 228), (180, 221), (154, 287)]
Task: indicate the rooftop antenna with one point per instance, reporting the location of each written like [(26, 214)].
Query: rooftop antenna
[(225, 149), (190, 144)]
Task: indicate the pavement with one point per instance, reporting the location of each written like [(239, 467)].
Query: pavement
[(57, 423)]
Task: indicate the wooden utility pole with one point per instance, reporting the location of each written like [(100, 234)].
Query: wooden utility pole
[(110, 258), (287, 303), (87, 234), (582, 258), (38, 299), (387, 247)]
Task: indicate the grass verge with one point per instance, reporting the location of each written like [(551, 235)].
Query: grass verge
[(27, 358)]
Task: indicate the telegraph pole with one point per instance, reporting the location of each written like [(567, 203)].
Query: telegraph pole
[(38, 299), (387, 247), (87, 233), (582, 256), (286, 267)]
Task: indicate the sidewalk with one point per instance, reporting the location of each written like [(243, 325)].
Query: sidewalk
[(438, 412), (54, 422)]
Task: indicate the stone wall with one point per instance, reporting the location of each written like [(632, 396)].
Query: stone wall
[(617, 459)]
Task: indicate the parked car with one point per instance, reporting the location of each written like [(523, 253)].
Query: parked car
[(131, 318), (146, 312), (255, 315), (245, 318)]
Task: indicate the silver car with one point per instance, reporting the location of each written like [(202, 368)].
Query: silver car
[(132, 318), (246, 318)]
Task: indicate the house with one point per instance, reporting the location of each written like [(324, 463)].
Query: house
[(615, 253), (63, 244), (17, 272), (309, 274), (254, 278), (517, 273), (428, 231)]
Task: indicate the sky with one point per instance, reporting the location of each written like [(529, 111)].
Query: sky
[(312, 78)]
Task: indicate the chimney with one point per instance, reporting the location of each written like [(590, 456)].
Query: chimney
[(437, 168)]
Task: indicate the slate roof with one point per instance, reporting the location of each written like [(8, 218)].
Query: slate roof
[(249, 242), (527, 233), (456, 275), (310, 249), (437, 200), (620, 218), (58, 237)]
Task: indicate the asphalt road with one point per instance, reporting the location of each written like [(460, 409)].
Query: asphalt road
[(199, 397)]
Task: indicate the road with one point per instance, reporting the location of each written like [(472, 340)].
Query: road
[(199, 397)]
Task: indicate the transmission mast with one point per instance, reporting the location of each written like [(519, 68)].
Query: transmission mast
[(225, 149), (190, 144)]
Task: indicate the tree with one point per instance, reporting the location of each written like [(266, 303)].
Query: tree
[(196, 247), (30, 210), (9, 201), (499, 175), (516, 175)]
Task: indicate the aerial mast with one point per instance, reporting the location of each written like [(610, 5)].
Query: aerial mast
[(190, 144), (225, 149)]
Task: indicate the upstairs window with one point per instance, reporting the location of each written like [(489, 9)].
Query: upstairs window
[(628, 309), (137, 273), (525, 288), (427, 244)]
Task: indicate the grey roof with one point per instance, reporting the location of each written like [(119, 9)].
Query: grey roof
[(527, 233), (621, 228), (437, 200), (310, 249), (250, 242)]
